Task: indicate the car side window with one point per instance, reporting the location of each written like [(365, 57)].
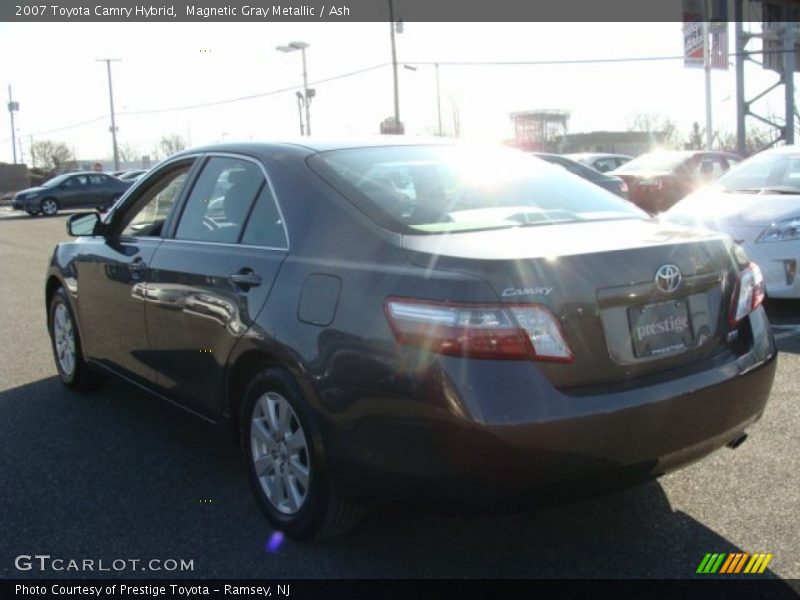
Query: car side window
[(604, 164), (265, 226), (220, 201), (150, 211), (70, 183), (97, 179)]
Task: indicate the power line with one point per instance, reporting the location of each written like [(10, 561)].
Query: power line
[(382, 65), (205, 104), (251, 96)]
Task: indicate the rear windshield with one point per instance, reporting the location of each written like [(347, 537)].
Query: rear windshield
[(436, 189), (656, 161)]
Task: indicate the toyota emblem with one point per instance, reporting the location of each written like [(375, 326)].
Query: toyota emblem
[(668, 278)]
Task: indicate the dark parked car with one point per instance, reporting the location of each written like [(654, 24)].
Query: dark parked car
[(600, 161), (433, 325), (658, 180), (71, 190), (615, 185)]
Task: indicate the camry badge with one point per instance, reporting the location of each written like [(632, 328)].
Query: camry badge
[(668, 278)]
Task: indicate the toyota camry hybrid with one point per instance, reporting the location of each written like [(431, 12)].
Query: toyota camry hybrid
[(437, 326)]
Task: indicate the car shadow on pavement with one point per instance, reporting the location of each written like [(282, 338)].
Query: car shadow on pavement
[(119, 474)]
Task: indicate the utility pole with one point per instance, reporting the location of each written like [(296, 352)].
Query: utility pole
[(707, 67), (113, 128), (33, 152), (12, 108), (438, 99), (394, 69)]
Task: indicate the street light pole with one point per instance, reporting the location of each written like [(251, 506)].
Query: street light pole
[(307, 93), (300, 103), (12, 107), (394, 68), (108, 62), (707, 67), (305, 90)]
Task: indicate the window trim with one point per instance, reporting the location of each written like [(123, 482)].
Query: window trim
[(170, 232), (113, 225)]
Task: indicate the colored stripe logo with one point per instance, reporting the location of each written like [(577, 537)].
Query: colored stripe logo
[(733, 563)]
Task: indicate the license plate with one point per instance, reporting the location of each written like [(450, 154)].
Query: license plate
[(661, 328)]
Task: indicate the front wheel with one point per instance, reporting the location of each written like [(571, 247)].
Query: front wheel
[(49, 207), (285, 470), (66, 342)]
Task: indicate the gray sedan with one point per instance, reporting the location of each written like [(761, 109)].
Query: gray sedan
[(71, 190)]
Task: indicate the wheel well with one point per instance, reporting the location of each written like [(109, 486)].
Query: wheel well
[(53, 198), (247, 366), (50, 289)]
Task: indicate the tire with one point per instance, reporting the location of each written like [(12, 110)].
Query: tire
[(49, 207), (278, 452), (66, 343)]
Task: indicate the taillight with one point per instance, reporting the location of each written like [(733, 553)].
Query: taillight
[(517, 332), (748, 293)]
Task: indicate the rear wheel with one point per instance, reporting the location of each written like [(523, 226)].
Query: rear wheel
[(49, 206), (72, 368), (284, 464)]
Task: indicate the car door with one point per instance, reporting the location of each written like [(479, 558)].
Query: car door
[(211, 277), (102, 189), (72, 192), (113, 270)]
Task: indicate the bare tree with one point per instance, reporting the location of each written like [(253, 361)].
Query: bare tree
[(696, 138), (756, 139), (52, 155), (129, 153), (170, 144), (656, 124)]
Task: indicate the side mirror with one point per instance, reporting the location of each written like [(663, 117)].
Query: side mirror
[(84, 224)]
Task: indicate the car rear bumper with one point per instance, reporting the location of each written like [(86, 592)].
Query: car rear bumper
[(539, 445)]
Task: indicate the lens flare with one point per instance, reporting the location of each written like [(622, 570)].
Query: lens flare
[(274, 542)]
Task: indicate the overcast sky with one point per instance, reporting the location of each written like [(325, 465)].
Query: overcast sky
[(57, 82)]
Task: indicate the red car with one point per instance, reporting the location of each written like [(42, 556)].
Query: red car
[(657, 180)]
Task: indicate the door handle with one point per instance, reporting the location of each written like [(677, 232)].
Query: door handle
[(245, 278)]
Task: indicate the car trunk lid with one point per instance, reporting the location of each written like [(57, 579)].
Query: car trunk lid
[(599, 279)]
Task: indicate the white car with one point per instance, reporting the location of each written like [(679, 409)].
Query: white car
[(758, 204)]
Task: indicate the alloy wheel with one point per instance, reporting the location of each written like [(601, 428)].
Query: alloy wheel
[(49, 207), (280, 453), (64, 336)]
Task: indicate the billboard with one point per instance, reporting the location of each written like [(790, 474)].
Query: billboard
[(694, 14)]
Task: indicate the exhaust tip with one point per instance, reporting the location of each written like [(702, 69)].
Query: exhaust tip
[(736, 442)]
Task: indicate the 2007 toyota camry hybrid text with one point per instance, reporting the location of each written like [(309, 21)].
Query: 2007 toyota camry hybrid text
[(438, 326)]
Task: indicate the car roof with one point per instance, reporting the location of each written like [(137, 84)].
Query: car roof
[(597, 155), (313, 145)]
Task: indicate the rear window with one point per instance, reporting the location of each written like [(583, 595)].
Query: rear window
[(656, 161), (436, 189)]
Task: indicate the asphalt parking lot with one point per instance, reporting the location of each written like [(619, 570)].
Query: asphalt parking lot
[(117, 474)]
